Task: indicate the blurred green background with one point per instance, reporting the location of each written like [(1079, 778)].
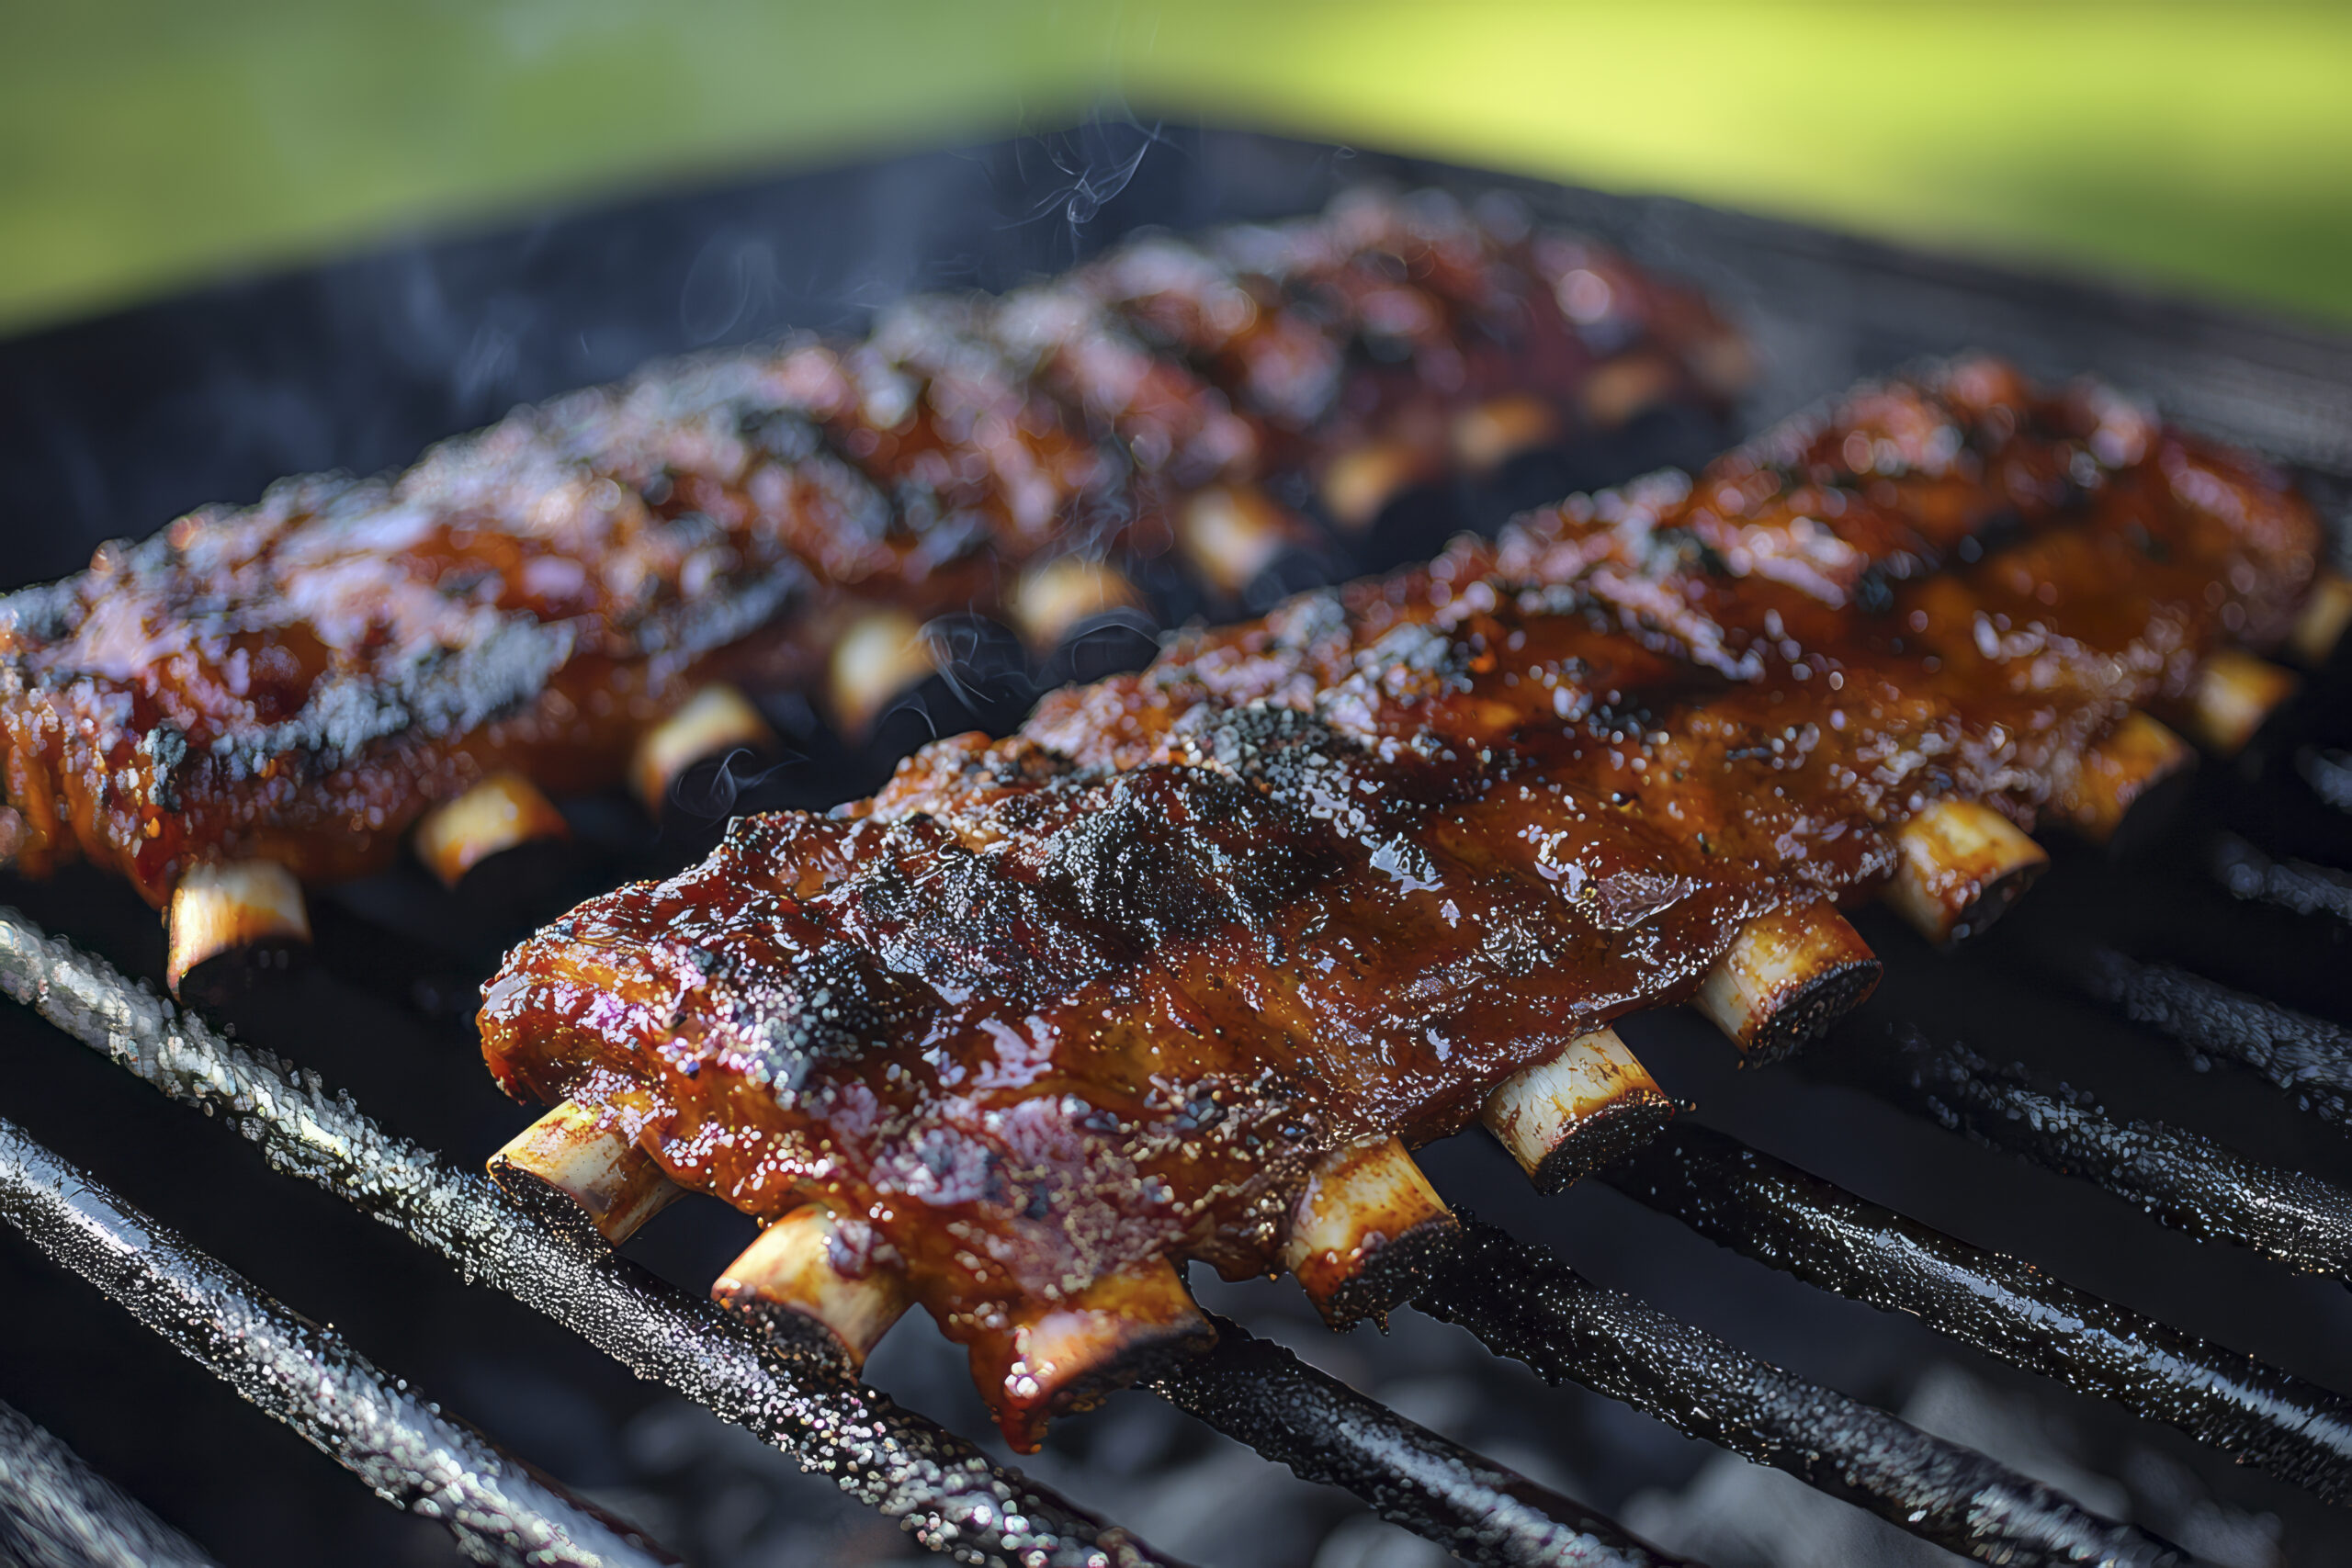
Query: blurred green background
[(147, 144)]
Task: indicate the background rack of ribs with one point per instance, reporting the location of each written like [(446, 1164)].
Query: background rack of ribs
[(1585, 1104), (256, 699)]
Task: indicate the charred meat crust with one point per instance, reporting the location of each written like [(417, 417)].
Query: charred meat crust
[(299, 681), (1100, 992)]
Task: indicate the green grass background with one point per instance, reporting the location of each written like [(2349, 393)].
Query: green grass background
[(145, 144)]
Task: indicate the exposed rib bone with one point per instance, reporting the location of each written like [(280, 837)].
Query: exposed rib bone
[(879, 655), (1963, 864), (1231, 532), (788, 1283), (1580, 1111), (503, 811), (2136, 756), (1492, 434), (1052, 600), (2236, 691), (1622, 389), (1360, 481), (1363, 1229), (219, 908), (715, 720), (581, 1151), (1787, 976), (2325, 614), (948, 1494), (1071, 1356)]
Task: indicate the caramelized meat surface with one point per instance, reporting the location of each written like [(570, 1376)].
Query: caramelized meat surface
[(1102, 991), (299, 681)]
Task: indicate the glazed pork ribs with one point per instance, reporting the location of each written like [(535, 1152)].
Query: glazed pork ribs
[(1182, 969), (263, 697)]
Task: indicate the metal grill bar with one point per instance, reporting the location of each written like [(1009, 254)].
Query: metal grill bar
[(55, 1512), (943, 1490), (2181, 1179), (2305, 888), (1524, 1301), (2329, 775), (1258, 1392), (2308, 1057), (1770, 1210), (1416, 1478), (306, 1376)]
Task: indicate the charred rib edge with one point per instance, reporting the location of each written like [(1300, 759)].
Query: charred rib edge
[(948, 1494), (1364, 480), (1362, 1231), (788, 1284), (2137, 755), (579, 1152), (716, 719), (1962, 864), (1577, 1111), (219, 908), (1071, 1355), (1787, 976), (1486, 435), (1052, 600), (881, 655), (501, 812), (2235, 693), (1231, 532)]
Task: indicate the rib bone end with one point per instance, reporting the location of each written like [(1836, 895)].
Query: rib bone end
[(1493, 432), (1360, 482), (1231, 532), (1962, 864), (2325, 616), (792, 1281), (2235, 693), (1624, 389), (239, 906), (1578, 1111), (501, 812), (715, 720), (878, 659), (1787, 976), (1053, 600), (1364, 1231), (1072, 1355), (580, 1152), (2117, 774)]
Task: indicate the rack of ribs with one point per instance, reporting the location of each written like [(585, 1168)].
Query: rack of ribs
[(577, 597), (1183, 969)]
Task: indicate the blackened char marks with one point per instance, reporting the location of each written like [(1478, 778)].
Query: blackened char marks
[(1338, 874)]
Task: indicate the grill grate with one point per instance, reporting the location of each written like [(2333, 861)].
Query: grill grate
[(1778, 1214), (306, 1376), (1517, 1297)]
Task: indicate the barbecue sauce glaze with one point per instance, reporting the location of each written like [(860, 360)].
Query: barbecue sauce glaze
[(1097, 993), (300, 679)]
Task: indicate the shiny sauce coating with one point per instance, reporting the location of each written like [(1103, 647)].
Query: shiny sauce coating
[(299, 681), (1100, 991)]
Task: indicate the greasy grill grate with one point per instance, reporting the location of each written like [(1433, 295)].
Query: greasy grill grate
[(516, 319)]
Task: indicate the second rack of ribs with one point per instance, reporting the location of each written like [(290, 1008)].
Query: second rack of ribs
[(1051, 1009)]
